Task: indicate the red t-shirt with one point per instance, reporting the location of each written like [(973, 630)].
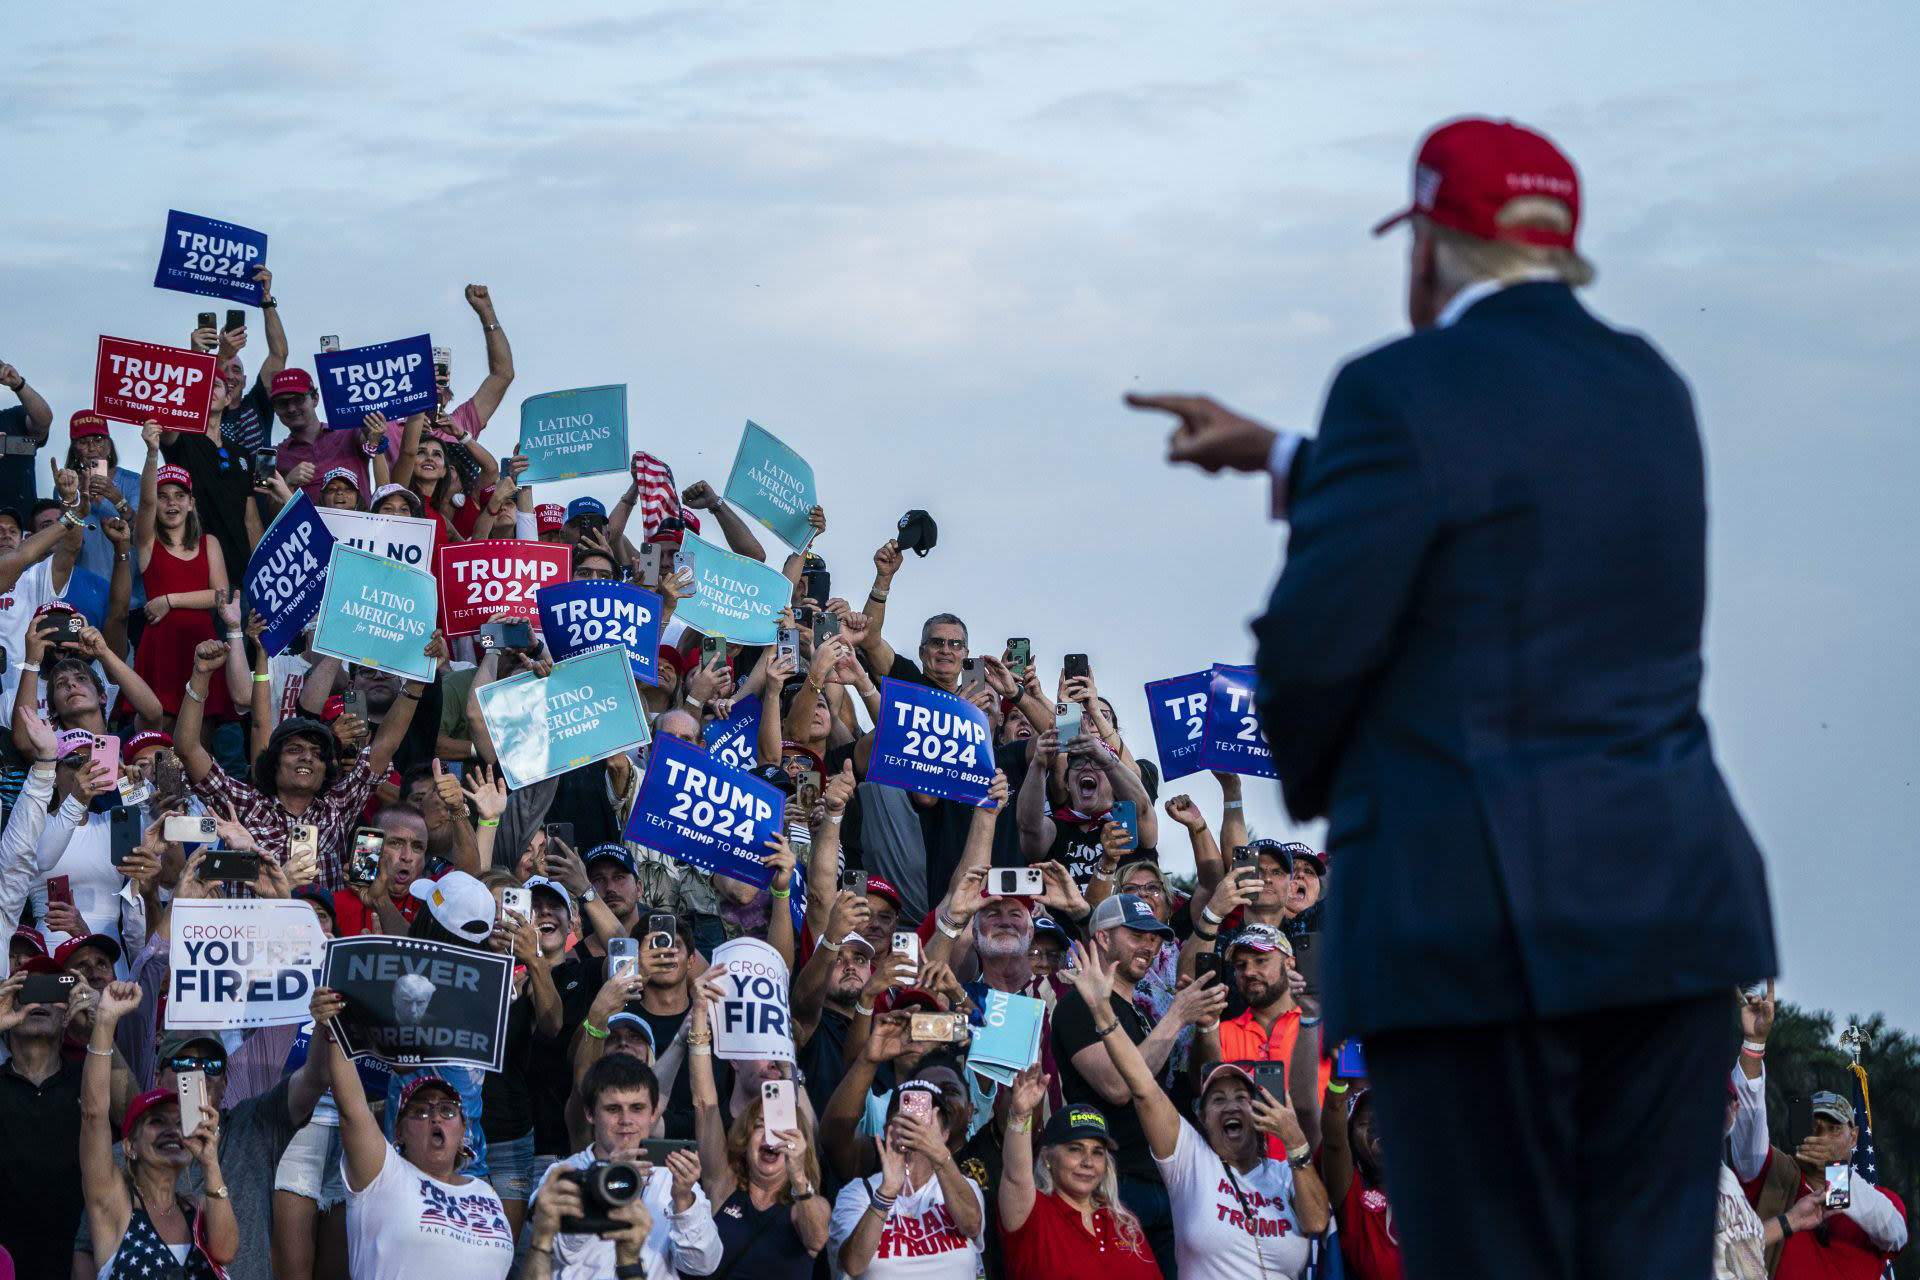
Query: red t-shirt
[(352, 919), (1849, 1253), (1367, 1243), (1053, 1244)]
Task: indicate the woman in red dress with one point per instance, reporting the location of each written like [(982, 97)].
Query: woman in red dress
[(182, 571)]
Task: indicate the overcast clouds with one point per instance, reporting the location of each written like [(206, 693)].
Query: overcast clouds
[(930, 247)]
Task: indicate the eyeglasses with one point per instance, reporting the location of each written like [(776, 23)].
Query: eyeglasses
[(215, 1067), (433, 1111), (1149, 889), (942, 642)]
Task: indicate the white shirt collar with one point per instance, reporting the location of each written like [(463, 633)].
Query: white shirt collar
[(1459, 304)]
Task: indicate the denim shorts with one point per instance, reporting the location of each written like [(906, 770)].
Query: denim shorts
[(510, 1167), (311, 1166)]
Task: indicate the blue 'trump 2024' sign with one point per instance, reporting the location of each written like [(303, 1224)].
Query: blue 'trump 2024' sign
[(931, 741)]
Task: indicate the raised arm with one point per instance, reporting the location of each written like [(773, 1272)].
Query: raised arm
[(149, 511), (208, 657), (39, 415), (1037, 830), (362, 1142), (709, 1130), (1017, 1192), (1158, 1116), (493, 387), (109, 1207), (739, 534), (30, 552), (276, 332), (886, 562)]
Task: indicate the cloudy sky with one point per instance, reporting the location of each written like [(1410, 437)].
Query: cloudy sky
[(930, 246)]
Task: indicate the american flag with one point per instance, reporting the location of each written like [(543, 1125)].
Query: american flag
[(1864, 1165), (658, 496)]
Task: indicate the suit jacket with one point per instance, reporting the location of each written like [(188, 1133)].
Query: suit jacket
[(1482, 664)]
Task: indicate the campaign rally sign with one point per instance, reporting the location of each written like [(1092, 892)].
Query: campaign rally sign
[(377, 613), (577, 616), (499, 575), (1232, 742), (420, 1004), (773, 484), (242, 964), (752, 1019), (733, 596), (142, 382), (211, 258), (700, 810), (1007, 1040), (287, 573), (402, 539), (586, 710), (735, 740), (394, 378), (1178, 708), (933, 742), (564, 434)]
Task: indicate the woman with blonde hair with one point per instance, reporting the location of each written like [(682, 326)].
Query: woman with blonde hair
[(139, 1219), (1060, 1215), (764, 1187)]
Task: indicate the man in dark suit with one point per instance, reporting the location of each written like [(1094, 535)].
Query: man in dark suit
[(1482, 665)]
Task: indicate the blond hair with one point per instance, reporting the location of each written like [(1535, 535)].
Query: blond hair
[(1105, 1196), (1460, 259)]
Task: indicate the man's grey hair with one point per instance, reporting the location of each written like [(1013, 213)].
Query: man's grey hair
[(941, 620)]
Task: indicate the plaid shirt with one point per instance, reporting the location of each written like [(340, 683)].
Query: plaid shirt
[(335, 811)]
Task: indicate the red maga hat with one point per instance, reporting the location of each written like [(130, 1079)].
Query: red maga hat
[(1467, 170)]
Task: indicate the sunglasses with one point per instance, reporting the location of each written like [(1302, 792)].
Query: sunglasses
[(941, 642), (192, 1062)]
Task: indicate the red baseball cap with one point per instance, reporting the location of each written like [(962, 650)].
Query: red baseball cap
[(146, 739), (100, 941), (549, 516), (905, 998), (170, 474), (32, 937), (141, 1105), (1467, 170), (880, 887), (290, 382), (86, 423)]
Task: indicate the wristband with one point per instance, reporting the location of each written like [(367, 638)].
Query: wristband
[(626, 1270), (269, 302), (864, 1010), (489, 822), (1307, 1021), (236, 634), (1101, 1033), (880, 596), (829, 946), (1335, 1087), (1204, 936), (948, 928), (30, 666), (100, 1053), (1757, 1048), (261, 678), (495, 328), (835, 818), (586, 1025), (1104, 877), (1299, 1159), (1786, 1228), (700, 1051), (1023, 1125), (1211, 916), (1234, 804), (780, 893), (196, 695)]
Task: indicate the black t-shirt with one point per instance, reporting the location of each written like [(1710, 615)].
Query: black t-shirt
[(1077, 846), (759, 1243), (19, 478), (249, 424), (222, 488), (665, 1026), (40, 1198), (506, 1096), (823, 1058), (1072, 1032), (552, 1063)]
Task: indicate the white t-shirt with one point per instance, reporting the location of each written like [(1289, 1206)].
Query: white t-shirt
[(1739, 1237), (919, 1240), (87, 862), (1223, 1236), (34, 589), (405, 1225)]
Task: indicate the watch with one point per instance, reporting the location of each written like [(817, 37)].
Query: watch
[(1300, 1161), (587, 894)]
